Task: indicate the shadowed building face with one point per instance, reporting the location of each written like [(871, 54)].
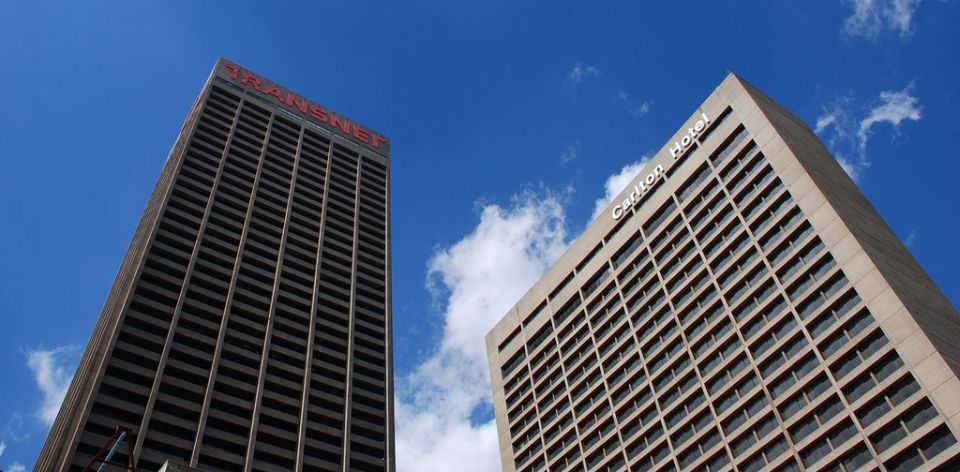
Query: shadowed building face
[(249, 325)]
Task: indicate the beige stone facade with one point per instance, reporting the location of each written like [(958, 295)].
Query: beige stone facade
[(745, 308)]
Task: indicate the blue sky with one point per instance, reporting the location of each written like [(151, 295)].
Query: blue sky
[(508, 121)]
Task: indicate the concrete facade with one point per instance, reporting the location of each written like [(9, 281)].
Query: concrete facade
[(249, 326), (749, 310)]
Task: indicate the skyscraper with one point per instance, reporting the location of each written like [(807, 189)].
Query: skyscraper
[(249, 324), (740, 306)]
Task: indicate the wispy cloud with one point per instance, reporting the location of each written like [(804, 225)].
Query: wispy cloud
[(872, 17), (616, 183), (3, 447), (847, 130), (571, 152), (581, 72), (911, 238), (636, 110), (476, 280), (16, 467), (52, 372), (641, 109), (13, 430)]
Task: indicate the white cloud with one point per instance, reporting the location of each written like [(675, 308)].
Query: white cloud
[(52, 371), (847, 136), (571, 152), (894, 108), (3, 447), (477, 280), (871, 17), (581, 72), (616, 183), (16, 467)]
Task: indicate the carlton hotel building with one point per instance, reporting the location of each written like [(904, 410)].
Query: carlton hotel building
[(741, 306)]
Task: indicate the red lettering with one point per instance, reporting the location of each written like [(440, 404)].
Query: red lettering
[(338, 122), (250, 78), (361, 134), (275, 91), (318, 114), (234, 70), (292, 101), (377, 139)]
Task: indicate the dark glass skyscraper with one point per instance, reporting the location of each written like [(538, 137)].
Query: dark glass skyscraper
[(249, 324)]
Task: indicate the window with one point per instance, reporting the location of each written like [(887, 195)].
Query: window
[(743, 443), (693, 183), (820, 416), (798, 236), (698, 201), (729, 145), (876, 374), (743, 388), (709, 340), (674, 418), (770, 452), (833, 439), (807, 255), (852, 460), (768, 214), (746, 156), (513, 363), (567, 310), (819, 296), (732, 371), (628, 248), (779, 230), (851, 329), (813, 275), (763, 176), (927, 448), (863, 351), (596, 280), (837, 311), (763, 200), (710, 439), (778, 333), (744, 413), (754, 279), (658, 218), (798, 401), (910, 421), (742, 265), (538, 338), (892, 396), (636, 402), (798, 371)]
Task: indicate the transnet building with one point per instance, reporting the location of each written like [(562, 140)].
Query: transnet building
[(249, 324), (741, 306)]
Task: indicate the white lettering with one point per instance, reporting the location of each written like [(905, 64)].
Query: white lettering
[(646, 183), (639, 189), (676, 150), (692, 133)]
